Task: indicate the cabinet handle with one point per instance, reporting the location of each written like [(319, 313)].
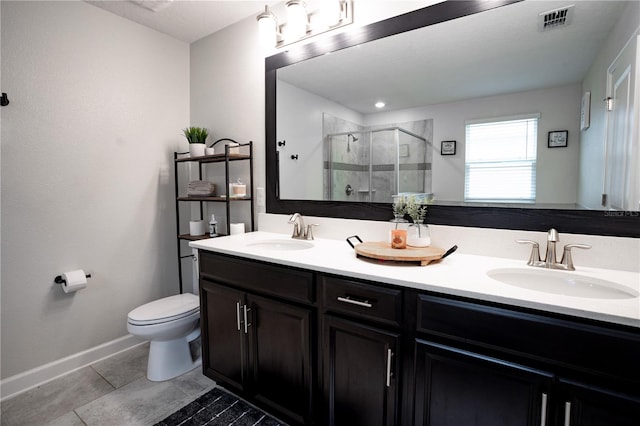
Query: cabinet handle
[(246, 323), (389, 355), (567, 413), (238, 314), (543, 410), (348, 299)]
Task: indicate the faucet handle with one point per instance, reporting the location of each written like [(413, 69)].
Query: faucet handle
[(534, 257), (309, 233), (567, 260)]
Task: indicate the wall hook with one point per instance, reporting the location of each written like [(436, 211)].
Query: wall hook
[(294, 157), (282, 143), (4, 99)]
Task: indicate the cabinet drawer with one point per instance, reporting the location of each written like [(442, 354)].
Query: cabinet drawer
[(358, 299), (564, 342), (264, 278)]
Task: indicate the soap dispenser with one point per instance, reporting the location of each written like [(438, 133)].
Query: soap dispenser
[(212, 226)]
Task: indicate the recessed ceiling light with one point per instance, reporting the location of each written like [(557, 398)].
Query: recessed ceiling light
[(380, 104)]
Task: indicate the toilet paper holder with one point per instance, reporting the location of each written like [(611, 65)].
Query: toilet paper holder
[(60, 280)]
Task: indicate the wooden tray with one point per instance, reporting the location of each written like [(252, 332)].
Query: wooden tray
[(383, 251)]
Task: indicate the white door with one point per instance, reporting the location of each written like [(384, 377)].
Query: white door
[(622, 150)]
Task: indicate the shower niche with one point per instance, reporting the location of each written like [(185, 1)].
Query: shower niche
[(371, 164)]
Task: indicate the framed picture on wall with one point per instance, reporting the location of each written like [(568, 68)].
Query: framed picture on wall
[(558, 139), (448, 148)]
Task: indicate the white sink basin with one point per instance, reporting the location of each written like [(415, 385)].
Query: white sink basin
[(280, 245), (561, 282)]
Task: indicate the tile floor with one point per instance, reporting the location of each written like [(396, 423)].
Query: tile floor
[(111, 392)]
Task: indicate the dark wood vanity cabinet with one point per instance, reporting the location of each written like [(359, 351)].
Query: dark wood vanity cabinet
[(483, 364), (457, 387), (258, 338), (361, 351), (587, 405), (320, 349)]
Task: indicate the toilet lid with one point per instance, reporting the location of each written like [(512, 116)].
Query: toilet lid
[(166, 309)]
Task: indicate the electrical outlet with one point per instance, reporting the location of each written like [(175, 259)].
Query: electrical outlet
[(261, 198)]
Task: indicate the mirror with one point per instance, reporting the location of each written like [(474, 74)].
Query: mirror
[(451, 88)]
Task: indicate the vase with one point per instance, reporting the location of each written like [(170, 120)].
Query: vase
[(418, 235), (196, 149)]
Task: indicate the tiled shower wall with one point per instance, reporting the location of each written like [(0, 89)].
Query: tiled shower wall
[(347, 162)]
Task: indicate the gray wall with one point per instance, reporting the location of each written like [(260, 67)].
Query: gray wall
[(97, 104)]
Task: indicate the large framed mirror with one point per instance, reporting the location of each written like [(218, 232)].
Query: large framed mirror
[(323, 132)]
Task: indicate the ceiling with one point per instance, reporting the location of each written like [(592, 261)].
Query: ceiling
[(186, 20), (490, 53)]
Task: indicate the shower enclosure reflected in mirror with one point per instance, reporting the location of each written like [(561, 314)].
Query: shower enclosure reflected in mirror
[(374, 165)]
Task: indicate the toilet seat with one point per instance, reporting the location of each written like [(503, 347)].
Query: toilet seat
[(168, 309)]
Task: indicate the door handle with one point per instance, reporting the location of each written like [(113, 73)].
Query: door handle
[(543, 410), (246, 323), (348, 299), (389, 355), (567, 413), (238, 314)]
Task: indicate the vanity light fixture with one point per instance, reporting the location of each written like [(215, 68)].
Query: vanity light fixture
[(301, 23)]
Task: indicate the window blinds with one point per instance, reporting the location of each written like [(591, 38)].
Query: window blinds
[(500, 160)]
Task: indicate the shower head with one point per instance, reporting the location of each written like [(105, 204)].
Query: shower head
[(353, 138)]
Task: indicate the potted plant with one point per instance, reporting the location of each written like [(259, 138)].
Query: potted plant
[(197, 137)]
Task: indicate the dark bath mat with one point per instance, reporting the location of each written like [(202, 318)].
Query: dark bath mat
[(219, 407)]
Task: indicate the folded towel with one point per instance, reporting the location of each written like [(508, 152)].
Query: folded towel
[(201, 188)]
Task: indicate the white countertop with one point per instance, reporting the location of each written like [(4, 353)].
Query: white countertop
[(459, 274)]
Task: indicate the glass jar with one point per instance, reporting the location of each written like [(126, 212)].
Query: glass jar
[(398, 223), (418, 235)]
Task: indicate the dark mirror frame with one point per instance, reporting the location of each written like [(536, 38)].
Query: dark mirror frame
[(614, 223)]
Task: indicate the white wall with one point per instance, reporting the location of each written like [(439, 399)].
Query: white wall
[(97, 104), (227, 96)]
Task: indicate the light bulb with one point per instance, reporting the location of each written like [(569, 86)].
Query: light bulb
[(297, 20), (331, 12), (267, 28)]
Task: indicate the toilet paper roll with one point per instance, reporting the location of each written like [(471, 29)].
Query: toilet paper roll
[(237, 228), (196, 227), (74, 281)]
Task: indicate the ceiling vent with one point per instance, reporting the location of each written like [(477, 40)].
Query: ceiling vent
[(153, 5), (555, 18)]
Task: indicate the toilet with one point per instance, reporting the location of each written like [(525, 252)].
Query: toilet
[(170, 324)]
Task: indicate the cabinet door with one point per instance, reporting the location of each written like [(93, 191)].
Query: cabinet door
[(281, 356), (583, 405), (224, 353), (360, 368), (455, 387)]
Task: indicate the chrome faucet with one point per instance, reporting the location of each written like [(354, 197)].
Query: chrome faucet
[(299, 230), (550, 261)]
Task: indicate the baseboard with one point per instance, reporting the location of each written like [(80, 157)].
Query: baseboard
[(11, 386)]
